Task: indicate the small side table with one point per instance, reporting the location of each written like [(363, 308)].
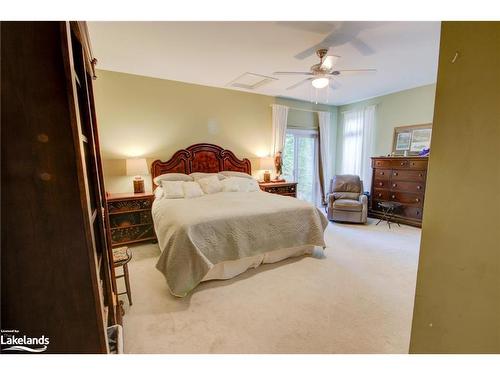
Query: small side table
[(121, 257), (281, 188), (388, 210), (130, 219)]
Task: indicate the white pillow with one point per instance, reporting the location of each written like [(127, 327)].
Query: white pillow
[(235, 174), (172, 177), (230, 185), (158, 192), (253, 185), (192, 190), (197, 175), (243, 184), (173, 189), (210, 185)]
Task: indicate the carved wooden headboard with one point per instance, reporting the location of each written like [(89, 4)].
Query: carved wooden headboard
[(201, 157)]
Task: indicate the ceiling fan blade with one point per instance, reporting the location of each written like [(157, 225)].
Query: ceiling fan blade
[(308, 52), (362, 47), (349, 32), (293, 73), (344, 32), (299, 83), (329, 61), (316, 27), (352, 71), (331, 40)]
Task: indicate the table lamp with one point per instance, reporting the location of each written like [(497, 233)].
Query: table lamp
[(137, 168), (266, 164)]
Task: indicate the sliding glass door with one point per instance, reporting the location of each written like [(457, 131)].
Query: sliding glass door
[(300, 162)]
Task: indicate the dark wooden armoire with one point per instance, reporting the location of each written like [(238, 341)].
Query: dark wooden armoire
[(56, 262)]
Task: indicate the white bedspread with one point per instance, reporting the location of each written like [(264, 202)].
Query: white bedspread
[(195, 234)]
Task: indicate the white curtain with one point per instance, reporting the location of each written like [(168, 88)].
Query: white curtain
[(358, 127), (352, 142), (280, 116), (368, 146), (324, 147)]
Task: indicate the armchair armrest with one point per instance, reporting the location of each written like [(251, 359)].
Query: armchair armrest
[(363, 199), (330, 198)]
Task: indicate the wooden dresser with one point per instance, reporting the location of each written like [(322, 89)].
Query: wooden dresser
[(281, 188), (402, 180), (130, 218)]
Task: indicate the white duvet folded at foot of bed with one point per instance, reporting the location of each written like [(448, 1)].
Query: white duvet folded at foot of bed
[(231, 268)]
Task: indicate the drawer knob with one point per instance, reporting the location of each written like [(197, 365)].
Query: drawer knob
[(419, 187), (395, 173), (394, 185), (380, 183), (382, 173), (417, 199), (420, 175), (393, 196), (402, 163), (379, 195)]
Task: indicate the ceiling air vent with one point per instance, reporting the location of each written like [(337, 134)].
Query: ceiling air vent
[(250, 81)]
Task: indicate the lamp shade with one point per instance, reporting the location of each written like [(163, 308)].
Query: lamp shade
[(266, 163), (137, 167)]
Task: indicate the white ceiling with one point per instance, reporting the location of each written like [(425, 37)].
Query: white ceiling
[(405, 54)]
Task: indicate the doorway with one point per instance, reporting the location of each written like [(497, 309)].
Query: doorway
[(300, 162)]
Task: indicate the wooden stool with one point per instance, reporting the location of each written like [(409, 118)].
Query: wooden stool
[(121, 257)]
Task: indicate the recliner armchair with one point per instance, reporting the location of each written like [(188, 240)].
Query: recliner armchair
[(346, 201)]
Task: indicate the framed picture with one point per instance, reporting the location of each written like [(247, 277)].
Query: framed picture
[(420, 139), (411, 139), (403, 141)]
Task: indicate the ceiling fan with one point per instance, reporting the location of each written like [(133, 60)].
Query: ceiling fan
[(323, 72), (337, 34)]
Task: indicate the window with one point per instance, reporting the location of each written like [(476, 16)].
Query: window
[(352, 142), (357, 146), (300, 162)]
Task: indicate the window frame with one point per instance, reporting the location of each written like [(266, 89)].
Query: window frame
[(305, 133)]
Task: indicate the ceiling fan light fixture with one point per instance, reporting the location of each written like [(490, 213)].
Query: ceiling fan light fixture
[(320, 83)]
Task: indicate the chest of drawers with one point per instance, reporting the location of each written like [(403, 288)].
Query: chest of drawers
[(402, 180)]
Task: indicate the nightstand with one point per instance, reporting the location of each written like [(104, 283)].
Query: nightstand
[(282, 188), (130, 219)]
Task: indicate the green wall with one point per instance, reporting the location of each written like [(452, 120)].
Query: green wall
[(306, 119), (152, 118), (408, 107), (309, 120), (457, 301)]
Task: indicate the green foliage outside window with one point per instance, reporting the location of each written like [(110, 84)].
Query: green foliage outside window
[(305, 173)]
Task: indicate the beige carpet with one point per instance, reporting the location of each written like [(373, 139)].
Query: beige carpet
[(356, 299)]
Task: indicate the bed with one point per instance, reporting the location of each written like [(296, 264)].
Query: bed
[(218, 236)]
